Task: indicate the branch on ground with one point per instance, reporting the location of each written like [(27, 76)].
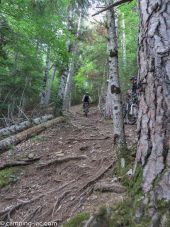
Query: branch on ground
[(18, 163)]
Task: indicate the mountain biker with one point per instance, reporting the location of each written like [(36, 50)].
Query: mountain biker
[(86, 99), (129, 113), (134, 89)]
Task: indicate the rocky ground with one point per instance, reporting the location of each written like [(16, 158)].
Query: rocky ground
[(75, 162)]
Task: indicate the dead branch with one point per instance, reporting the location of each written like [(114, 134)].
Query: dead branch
[(89, 221), (18, 163), (6, 214), (117, 3), (59, 161)]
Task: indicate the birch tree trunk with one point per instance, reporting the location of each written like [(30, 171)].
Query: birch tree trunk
[(154, 110), (123, 41), (68, 87), (46, 73), (103, 92), (113, 84)]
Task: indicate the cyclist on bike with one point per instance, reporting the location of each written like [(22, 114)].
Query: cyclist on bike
[(134, 89), (86, 99)]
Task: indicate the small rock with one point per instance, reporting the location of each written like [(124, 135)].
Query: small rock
[(93, 197), (114, 179), (75, 142), (138, 215), (122, 161), (98, 147), (130, 172), (31, 155), (84, 148), (155, 220)]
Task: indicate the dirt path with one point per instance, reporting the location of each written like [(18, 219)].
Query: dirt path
[(55, 191)]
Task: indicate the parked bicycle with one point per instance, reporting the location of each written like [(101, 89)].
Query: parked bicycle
[(130, 110)]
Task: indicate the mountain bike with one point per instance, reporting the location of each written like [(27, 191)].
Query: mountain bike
[(86, 108), (130, 110)]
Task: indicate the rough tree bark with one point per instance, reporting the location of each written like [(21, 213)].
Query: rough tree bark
[(113, 84), (154, 110)]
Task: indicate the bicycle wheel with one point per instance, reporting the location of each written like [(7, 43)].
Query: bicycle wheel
[(132, 115)]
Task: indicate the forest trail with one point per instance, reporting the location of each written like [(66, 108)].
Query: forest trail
[(52, 190)]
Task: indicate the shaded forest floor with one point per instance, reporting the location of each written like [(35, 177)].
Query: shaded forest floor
[(52, 190)]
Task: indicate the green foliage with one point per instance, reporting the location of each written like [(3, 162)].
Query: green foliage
[(27, 29), (92, 64), (78, 220), (7, 176), (128, 68)]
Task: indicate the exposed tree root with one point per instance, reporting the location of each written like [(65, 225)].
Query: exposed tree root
[(18, 163), (59, 161), (6, 214), (81, 192), (88, 223), (81, 139), (112, 187)]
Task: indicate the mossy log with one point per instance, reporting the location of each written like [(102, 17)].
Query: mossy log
[(14, 140)]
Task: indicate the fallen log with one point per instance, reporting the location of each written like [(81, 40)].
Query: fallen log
[(24, 125), (14, 140), (18, 163)]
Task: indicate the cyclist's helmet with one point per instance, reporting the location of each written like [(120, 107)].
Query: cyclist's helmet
[(133, 79)]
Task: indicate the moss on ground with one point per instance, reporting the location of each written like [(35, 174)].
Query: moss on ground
[(78, 220), (7, 176)]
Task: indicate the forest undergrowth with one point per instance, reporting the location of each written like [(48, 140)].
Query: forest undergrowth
[(75, 172)]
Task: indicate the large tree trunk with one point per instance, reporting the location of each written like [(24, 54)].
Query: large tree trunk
[(154, 110), (114, 85), (68, 87), (123, 41)]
